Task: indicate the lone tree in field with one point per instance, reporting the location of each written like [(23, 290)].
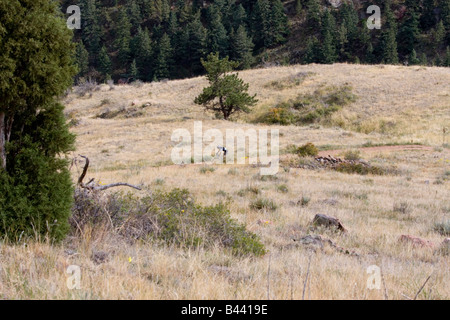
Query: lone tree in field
[(227, 94), (36, 66)]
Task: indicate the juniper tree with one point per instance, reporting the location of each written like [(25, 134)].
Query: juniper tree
[(227, 93), (36, 66)]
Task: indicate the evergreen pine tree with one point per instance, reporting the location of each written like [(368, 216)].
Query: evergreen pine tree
[(239, 17), (260, 24), (123, 38), (135, 15), (164, 58), (390, 55), (196, 46), (173, 24), (312, 50), (328, 49), (328, 29), (352, 39), (428, 19), (445, 16), (389, 36), (279, 27), (409, 30), (242, 48), (143, 55), (298, 7), (134, 72), (438, 36), (369, 56), (446, 62), (413, 59), (91, 29), (313, 15), (423, 59), (217, 34), (82, 59), (227, 94), (104, 62)]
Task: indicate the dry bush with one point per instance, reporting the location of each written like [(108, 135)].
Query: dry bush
[(86, 86), (167, 217)]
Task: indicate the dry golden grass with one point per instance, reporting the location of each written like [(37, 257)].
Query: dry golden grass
[(395, 105)]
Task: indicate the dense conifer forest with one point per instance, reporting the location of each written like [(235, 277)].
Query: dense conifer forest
[(150, 40)]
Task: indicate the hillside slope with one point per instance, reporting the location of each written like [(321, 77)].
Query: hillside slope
[(394, 104)]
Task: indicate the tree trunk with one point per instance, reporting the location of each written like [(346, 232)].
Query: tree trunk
[(2, 140)]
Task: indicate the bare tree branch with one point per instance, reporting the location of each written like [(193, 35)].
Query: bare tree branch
[(90, 184), (112, 185), (423, 286)]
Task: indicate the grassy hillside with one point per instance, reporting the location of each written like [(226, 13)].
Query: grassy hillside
[(125, 131)]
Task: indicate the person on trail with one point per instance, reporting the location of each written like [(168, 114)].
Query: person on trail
[(222, 149)]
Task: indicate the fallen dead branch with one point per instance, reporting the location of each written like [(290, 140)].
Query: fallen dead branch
[(91, 185)]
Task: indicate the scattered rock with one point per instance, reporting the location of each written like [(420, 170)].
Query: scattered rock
[(327, 221), (100, 257), (333, 163), (415, 241), (318, 242)]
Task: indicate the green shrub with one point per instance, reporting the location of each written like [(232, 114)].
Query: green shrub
[(443, 228), (207, 169), (309, 108), (304, 201), (305, 150), (359, 168), (352, 155), (250, 189), (402, 207), (283, 188), (168, 217), (263, 204)]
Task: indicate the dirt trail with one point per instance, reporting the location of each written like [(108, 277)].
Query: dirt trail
[(379, 149)]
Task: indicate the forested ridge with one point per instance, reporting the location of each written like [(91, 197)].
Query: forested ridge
[(150, 40)]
